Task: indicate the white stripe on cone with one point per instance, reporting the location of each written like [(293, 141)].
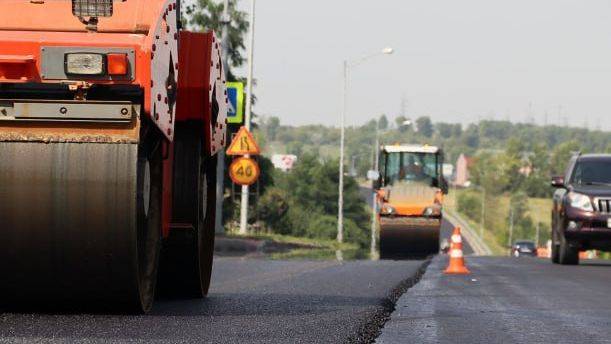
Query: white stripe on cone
[(455, 253), (457, 239)]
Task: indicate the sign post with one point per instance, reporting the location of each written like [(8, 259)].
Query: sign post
[(244, 170)]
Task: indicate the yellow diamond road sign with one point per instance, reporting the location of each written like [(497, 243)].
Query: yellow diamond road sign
[(243, 144)]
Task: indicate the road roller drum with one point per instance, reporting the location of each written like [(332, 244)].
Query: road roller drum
[(404, 237), (110, 121)]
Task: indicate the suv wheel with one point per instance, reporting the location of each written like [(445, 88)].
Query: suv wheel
[(555, 248), (568, 254)]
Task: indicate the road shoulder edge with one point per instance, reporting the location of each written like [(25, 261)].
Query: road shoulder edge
[(369, 331), (479, 246)]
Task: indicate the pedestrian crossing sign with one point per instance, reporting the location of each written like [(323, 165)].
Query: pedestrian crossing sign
[(235, 96)]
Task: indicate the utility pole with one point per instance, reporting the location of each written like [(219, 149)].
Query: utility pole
[(481, 230), (510, 228), (537, 231), (220, 167), (374, 204), (247, 115)]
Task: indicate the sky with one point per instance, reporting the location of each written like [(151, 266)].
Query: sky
[(542, 61)]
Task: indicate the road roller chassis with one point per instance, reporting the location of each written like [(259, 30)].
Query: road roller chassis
[(109, 131)]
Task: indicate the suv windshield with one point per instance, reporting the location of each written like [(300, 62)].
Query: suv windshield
[(592, 172), (420, 167)]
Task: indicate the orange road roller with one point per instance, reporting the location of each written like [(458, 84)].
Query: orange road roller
[(410, 196), (111, 118)]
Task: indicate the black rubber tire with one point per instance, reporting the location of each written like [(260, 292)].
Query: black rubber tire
[(187, 254), (149, 219), (555, 254), (568, 254)]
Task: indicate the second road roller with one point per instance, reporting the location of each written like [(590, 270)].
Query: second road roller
[(410, 191), (111, 118)]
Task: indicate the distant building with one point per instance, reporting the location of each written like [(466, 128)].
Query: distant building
[(284, 162), (462, 177)]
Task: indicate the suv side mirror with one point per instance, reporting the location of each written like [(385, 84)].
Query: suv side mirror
[(558, 182)]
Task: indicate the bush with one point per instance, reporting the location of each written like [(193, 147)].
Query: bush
[(470, 205), (304, 203), (272, 207)]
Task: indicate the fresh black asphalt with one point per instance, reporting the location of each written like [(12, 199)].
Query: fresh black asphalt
[(506, 300), (251, 301)]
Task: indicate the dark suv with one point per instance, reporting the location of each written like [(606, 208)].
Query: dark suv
[(581, 215)]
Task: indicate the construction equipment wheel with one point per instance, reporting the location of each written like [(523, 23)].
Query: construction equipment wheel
[(81, 223), (402, 238), (187, 254)]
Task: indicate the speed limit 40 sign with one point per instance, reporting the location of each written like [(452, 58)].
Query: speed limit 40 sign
[(244, 171)]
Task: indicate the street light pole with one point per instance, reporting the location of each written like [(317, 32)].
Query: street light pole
[(220, 166), (340, 201), (340, 198), (247, 115)]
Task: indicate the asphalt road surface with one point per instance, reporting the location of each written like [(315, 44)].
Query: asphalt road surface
[(251, 301), (506, 300)]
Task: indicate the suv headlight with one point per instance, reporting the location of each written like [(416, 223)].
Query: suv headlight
[(580, 201)]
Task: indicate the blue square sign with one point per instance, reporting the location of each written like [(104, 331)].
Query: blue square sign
[(235, 94)]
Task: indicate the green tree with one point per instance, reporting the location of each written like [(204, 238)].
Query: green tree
[(471, 137), (456, 130), (512, 163), (489, 172), (561, 156), (272, 126), (523, 227), (312, 189), (444, 129), (383, 122), (273, 207), (425, 126), (400, 123), (537, 182), (470, 205), (206, 15)]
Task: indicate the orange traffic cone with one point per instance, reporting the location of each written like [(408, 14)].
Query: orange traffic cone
[(457, 260)]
